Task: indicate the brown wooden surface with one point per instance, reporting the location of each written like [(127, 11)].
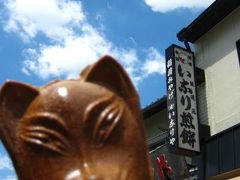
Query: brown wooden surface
[(85, 129)]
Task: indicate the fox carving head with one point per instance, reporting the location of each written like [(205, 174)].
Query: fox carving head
[(85, 129)]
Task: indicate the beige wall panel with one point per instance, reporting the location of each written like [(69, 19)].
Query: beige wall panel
[(216, 53)]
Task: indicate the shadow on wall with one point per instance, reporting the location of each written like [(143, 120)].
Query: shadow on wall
[(202, 105)]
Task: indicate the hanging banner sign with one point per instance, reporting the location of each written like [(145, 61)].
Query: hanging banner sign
[(181, 101)]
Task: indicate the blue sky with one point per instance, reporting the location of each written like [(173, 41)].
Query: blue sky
[(42, 40)]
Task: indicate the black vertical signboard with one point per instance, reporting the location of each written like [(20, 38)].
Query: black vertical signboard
[(182, 109)]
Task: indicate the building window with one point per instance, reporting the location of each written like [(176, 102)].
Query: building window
[(238, 50)]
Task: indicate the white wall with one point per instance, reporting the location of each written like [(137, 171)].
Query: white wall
[(216, 53)]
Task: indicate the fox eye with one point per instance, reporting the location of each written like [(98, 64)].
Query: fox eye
[(46, 132), (106, 122), (103, 115)]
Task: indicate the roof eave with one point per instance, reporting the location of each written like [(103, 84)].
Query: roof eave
[(207, 20)]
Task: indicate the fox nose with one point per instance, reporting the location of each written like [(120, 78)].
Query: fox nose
[(77, 175), (100, 178), (74, 175), (92, 177)]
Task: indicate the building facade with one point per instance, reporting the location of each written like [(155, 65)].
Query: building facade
[(215, 42), (216, 53)]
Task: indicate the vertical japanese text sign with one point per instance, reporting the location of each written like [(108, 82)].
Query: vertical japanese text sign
[(181, 100)]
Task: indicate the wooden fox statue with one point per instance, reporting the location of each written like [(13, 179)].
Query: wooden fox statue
[(85, 129)]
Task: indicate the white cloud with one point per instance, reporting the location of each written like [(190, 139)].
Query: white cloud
[(170, 5), (155, 63), (75, 54), (52, 17), (109, 6), (133, 40), (5, 163), (73, 42)]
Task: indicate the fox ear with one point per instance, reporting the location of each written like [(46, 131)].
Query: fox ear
[(15, 98), (109, 73)]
